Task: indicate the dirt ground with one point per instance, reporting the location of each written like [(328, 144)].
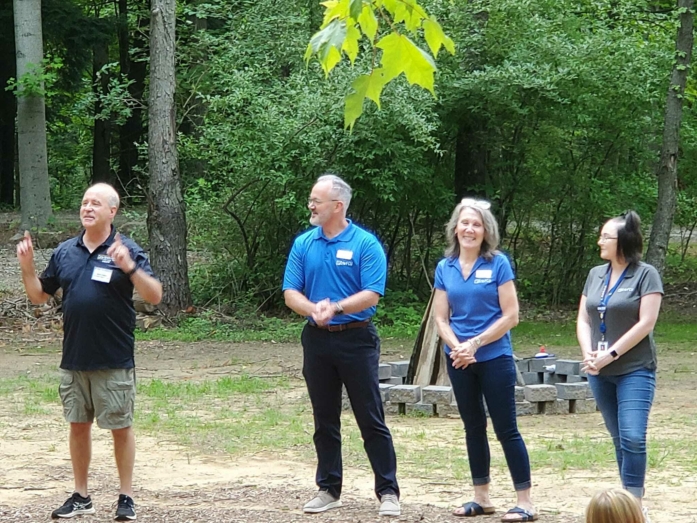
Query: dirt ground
[(185, 484)]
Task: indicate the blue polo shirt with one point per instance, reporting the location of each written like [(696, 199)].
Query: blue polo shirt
[(474, 302), (337, 268), (98, 317)]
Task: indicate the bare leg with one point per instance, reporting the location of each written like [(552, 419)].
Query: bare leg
[(125, 454), (80, 454)]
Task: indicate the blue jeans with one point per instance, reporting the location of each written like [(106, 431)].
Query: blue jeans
[(351, 358), (625, 402), (493, 380)]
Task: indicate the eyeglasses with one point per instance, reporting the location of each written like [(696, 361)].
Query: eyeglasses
[(315, 202), (603, 239), (478, 204)]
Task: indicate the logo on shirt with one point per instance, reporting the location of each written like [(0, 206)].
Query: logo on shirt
[(104, 258), (482, 280), (342, 263), (626, 289)]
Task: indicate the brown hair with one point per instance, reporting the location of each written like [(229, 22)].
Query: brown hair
[(614, 506)]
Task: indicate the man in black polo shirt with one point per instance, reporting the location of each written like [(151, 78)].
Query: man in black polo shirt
[(97, 271)]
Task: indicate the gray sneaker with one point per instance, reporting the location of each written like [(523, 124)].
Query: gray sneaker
[(389, 505), (645, 512), (321, 502)]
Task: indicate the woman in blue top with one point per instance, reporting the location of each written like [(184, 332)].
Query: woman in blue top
[(618, 311), (475, 306)]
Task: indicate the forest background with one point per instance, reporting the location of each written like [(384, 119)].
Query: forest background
[(553, 110)]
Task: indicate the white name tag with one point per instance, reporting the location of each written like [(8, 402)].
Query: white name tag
[(482, 273), (101, 274), (344, 255), (602, 346)]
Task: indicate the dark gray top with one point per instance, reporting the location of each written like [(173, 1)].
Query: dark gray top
[(622, 314)]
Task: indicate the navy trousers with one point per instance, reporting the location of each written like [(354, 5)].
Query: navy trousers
[(349, 357)]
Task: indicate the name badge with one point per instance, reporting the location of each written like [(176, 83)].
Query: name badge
[(344, 255), (602, 346), (101, 274), (482, 273)]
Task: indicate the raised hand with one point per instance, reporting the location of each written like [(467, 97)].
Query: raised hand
[(25, 253), (121, 255)]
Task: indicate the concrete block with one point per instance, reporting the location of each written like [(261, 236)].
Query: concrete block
[(537, 393), (532, 378), (519, 393), (576, 379), (447, 411), (568, 367), (525, 408), (399, 368), (393, 381), (384, 371), (437, 395), (385, 391), (552, 379), (420, 409), (556, 407), (405, 394), (541, 364), (392, 408), (572, 391), (523, 365), (587, 406)]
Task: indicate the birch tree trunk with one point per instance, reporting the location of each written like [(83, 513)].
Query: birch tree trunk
[(166, 213), (668, 166), (34, 190)]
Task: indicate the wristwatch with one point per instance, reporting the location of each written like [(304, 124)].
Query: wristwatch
[(476, 341), (338, 309), (132, 271), (614, 355)]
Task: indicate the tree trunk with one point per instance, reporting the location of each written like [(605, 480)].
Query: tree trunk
[(166, 214), (133, 130), (35, 193), (668, 166), (470, 159), (8, 113), (101, 133)]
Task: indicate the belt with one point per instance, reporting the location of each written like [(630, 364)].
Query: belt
[(341, 326)]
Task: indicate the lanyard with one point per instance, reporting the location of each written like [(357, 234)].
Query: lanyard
[(605, 296)]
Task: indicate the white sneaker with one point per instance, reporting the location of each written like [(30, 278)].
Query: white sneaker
[(389, 505), (645, 511), (322, 502)]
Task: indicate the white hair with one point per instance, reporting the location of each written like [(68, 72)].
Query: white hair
[(340, 189)]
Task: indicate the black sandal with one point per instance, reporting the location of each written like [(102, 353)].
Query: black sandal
[(473, 509), (525, 515)]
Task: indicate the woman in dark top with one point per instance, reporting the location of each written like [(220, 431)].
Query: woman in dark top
[(616, 317)]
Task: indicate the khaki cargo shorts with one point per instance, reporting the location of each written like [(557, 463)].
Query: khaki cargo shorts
[(108, 395)]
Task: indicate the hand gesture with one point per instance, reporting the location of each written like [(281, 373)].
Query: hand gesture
[(324, 312), (25, 253), (590, 365), (121, 255), (462, 355)]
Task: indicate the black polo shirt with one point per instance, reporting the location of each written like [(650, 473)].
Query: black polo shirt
[(98, 315)]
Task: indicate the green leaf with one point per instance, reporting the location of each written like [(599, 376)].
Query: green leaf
[(355, 8), (335, 9), (350, 46), (407, 11), (369, 86), (327, 43), (435, 37), (368, 22), (401, 55)]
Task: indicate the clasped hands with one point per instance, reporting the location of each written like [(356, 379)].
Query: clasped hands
[(324, 312), (463, 354), (593, 362)]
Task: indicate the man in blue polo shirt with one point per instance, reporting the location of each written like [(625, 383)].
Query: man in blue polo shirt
[(335, 275), (97, 271)]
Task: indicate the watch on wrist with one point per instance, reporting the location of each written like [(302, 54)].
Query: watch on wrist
[(338, 309), (132, 271), (476, 341), (614, 355)]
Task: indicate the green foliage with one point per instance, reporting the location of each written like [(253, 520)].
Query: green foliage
[(386, 25), (39, 80)]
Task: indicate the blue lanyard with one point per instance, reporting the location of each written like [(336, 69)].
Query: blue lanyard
[(605, 296)]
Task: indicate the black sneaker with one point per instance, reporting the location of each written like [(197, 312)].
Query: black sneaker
[(126, 511), (74, 506)]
